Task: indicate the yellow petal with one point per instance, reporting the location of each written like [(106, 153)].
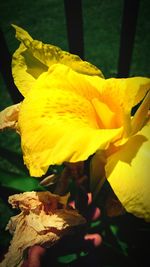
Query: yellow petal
[(58, 122), (120, 96), (21, 34), (128, 92), (62, 76), (105, 114), (26, 69), (141, 115), (34, 57), (127, 171)]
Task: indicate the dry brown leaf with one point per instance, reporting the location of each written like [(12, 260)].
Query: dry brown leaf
[(9, 117), (43, 220)]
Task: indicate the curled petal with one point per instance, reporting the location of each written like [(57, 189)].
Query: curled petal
[(33, 58), (128, 92), (117, 97)]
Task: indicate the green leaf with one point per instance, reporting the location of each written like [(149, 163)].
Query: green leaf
[(83, 254), (19, 182), (122, 245), (95, 224), (114, 229), (67, 258), (13, 158)]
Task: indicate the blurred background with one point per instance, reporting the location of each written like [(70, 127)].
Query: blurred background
[(126, 238), (45, 20)]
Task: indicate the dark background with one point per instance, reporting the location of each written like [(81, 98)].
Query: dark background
[(45, 20)]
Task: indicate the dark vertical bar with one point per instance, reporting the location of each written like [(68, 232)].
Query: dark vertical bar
[(74, 20), (5, 69), (129, 22)]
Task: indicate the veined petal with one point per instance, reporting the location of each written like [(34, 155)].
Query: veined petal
[(127, 171), (34, 57), (62, 76), (25, 69), (21, 34), (106, 116), (57, 126), (128, 92), (121, 95)]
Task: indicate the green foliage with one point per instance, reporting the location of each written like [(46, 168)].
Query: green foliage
[(68, 258), (71, 257), (16, 177), (122, 245)]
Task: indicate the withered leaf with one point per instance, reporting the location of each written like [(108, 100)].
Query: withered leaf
[(9, 117), (43, 220)]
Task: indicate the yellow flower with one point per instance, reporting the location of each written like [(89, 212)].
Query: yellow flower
[(71, 112)]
